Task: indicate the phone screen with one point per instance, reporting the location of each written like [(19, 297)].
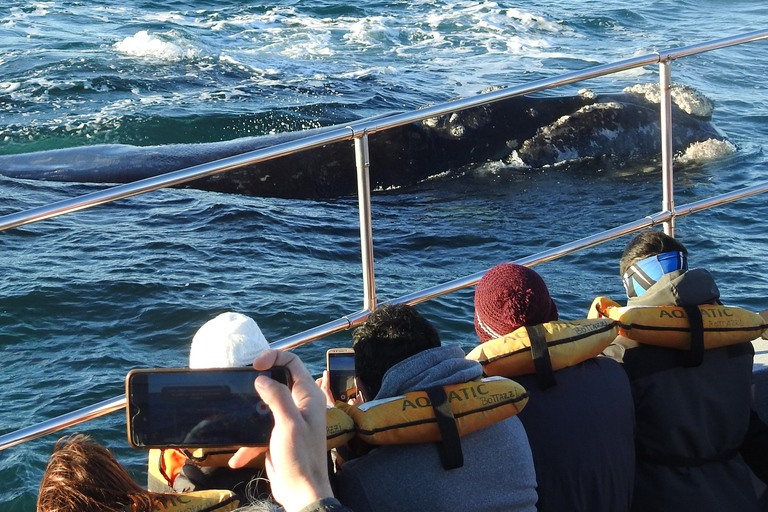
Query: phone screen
[(341, 374), (198, 408)]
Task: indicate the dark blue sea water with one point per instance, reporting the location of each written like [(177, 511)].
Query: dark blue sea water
[(86, 297)]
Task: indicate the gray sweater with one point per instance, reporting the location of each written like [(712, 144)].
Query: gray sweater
[(498, 472)]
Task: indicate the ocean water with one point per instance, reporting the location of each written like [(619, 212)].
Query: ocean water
[(86, 297)]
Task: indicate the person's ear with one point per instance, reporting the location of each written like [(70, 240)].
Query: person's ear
[(362, 390)]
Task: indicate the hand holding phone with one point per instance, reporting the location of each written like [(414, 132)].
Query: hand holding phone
[(200, 408), (296, 461)]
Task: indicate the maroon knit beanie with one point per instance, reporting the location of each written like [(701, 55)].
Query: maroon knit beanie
[(511, 296)]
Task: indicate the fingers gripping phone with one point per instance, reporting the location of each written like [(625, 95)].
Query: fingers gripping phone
[(341, 373), (200, 408)]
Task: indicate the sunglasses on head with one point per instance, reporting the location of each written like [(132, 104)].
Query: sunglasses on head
[(644, 274)]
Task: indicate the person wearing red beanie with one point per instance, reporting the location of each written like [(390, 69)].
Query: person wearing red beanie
[(510, 296), (581, 430)]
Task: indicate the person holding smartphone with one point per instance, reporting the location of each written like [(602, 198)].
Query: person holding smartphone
[(82, 474), (229, 340), (398, 351)]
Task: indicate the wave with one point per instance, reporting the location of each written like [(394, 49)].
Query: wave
[(157, 46)]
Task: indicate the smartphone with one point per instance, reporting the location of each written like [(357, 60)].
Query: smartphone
[(200, 408), (341, 372)]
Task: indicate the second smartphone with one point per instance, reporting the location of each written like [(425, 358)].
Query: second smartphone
[(341, 373)]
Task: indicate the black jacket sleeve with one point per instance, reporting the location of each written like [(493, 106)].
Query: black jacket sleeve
[(754, 450)]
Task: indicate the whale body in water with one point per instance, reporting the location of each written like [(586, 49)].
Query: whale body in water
[(526, 131)]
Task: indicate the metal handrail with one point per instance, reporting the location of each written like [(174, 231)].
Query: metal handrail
[(359, 132)]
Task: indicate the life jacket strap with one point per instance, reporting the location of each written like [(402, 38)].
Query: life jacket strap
[(450, 447), (695, 356), (545, 376)]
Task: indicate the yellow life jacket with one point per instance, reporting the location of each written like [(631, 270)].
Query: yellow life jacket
[(670, 326), (165, 465), (525, 350), (198, 501), (411, 418)]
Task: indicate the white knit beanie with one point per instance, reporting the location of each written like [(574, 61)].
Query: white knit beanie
[(229, 340)]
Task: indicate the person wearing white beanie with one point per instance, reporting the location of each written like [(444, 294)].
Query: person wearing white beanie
[(226, 341)]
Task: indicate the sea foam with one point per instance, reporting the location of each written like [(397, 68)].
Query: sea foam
[(144, 44), (709, 149)]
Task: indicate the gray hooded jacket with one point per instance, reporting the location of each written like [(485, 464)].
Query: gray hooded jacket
[(498, 472)]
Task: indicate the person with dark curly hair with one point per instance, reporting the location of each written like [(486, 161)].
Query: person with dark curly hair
[(398, 351)]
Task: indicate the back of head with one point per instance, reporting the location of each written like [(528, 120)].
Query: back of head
[(391, 334), (508, 297), (647, 258), (83, 476), (648, 243), (227, 341)]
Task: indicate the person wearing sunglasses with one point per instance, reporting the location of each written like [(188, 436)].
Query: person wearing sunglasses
[(692, 413)]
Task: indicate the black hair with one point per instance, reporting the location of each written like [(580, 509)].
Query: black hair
[(645, 244), (393, 333)]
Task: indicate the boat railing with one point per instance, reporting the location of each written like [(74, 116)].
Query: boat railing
[(359, 132)]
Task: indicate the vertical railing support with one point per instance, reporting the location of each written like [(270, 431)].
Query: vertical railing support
[(667, 174), (363, 165)]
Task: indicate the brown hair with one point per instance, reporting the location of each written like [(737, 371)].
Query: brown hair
[(83, 476), (645, 244)]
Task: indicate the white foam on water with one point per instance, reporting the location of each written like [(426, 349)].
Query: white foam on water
[(272, 19), (38, 9), (441, 32), (705, 151), (372, 71), (514, 161), (8, 87), (165, 17), (155, 46), (372, 31)]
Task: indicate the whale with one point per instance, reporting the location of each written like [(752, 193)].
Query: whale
[(534, 131)]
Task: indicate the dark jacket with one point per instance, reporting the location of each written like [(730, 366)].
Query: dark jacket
[(582, 438), (691, 421)]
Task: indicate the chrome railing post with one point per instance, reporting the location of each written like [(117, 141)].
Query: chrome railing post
[(363, 165), (667, 175)]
